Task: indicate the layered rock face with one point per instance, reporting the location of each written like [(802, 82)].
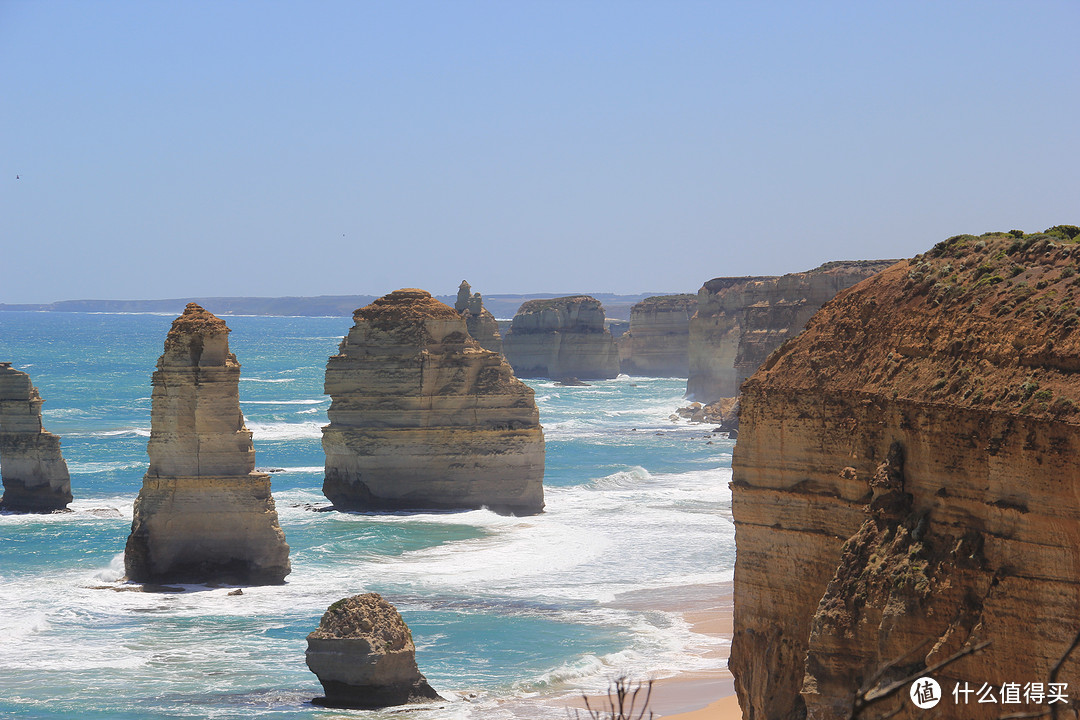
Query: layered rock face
[(657, 343), (481, 324), (203, 514), (423, 417), (905, 485), (363, 654), (741, 320), (561, 338), (34, 472)]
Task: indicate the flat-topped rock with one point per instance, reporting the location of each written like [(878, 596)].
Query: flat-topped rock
[(561, 337), (364, 656), (423, 417), (35, 476), (657, 343), (202, 514)]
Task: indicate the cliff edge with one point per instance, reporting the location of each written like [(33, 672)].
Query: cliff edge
[(741, 320), (905, 485)]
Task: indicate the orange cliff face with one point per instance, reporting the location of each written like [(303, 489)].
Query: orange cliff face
[(906, 484)]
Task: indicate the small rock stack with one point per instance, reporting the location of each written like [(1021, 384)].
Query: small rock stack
[(202, 515), (483, 328), (35, 475), (363, 654)]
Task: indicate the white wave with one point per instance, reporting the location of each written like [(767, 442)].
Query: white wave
[(317, 401), (126, 432), (268, 380), (90, 468), (285, 431)]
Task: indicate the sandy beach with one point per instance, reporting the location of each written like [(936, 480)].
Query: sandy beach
[(703, 694)]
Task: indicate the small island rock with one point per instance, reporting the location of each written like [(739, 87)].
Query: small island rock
[(363, 654)]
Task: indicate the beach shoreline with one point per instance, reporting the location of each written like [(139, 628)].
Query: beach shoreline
[(703, 694)]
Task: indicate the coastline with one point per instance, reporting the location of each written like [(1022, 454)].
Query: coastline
[(703, 694)]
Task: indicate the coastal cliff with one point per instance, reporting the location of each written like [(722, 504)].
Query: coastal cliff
[(423, 417), (34, 473), (202, 514), (905, 485), (561, 338), (482, 326), (741, 320), (657, 343)]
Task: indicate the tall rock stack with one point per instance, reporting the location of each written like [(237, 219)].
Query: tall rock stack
[(482, 325), (203, 514), (740, 321), (34, 472), (657, 343), (423, 417), (561, 338), (905, 487)]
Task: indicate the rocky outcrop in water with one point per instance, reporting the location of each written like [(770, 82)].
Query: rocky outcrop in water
[(203, 514), (657, 343), (364, 656), (740, 321), (423, 417), (481, 324), (905, 486), (34, 473), (561, 338)]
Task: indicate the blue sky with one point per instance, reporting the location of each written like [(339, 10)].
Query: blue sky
[(285, 148)]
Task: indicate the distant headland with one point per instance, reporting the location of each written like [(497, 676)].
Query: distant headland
[(501, 306)]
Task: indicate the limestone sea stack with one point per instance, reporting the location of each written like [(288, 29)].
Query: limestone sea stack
[(364, 656), (657, 344), (741, 320), (483, 328), (905, 486), (203, 514), (561, 338), (423, 417), (34, 473)]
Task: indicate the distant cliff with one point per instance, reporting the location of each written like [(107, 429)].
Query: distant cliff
[(658, 340), (905, 485), (561, 338), (741, 320)]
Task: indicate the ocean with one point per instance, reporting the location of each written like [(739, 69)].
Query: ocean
[(507, 613)]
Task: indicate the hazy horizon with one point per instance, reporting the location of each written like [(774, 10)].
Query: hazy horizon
[(153, 150)]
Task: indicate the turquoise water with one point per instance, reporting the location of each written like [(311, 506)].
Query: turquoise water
[(501, 608)]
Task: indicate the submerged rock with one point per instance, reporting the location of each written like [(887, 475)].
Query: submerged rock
[(202, 514), (364, 656), (905, 485), (35, 475), (423, 417), (483, 328), (561, 337)]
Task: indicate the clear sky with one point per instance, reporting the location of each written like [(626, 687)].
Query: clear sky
[(174, 149)]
